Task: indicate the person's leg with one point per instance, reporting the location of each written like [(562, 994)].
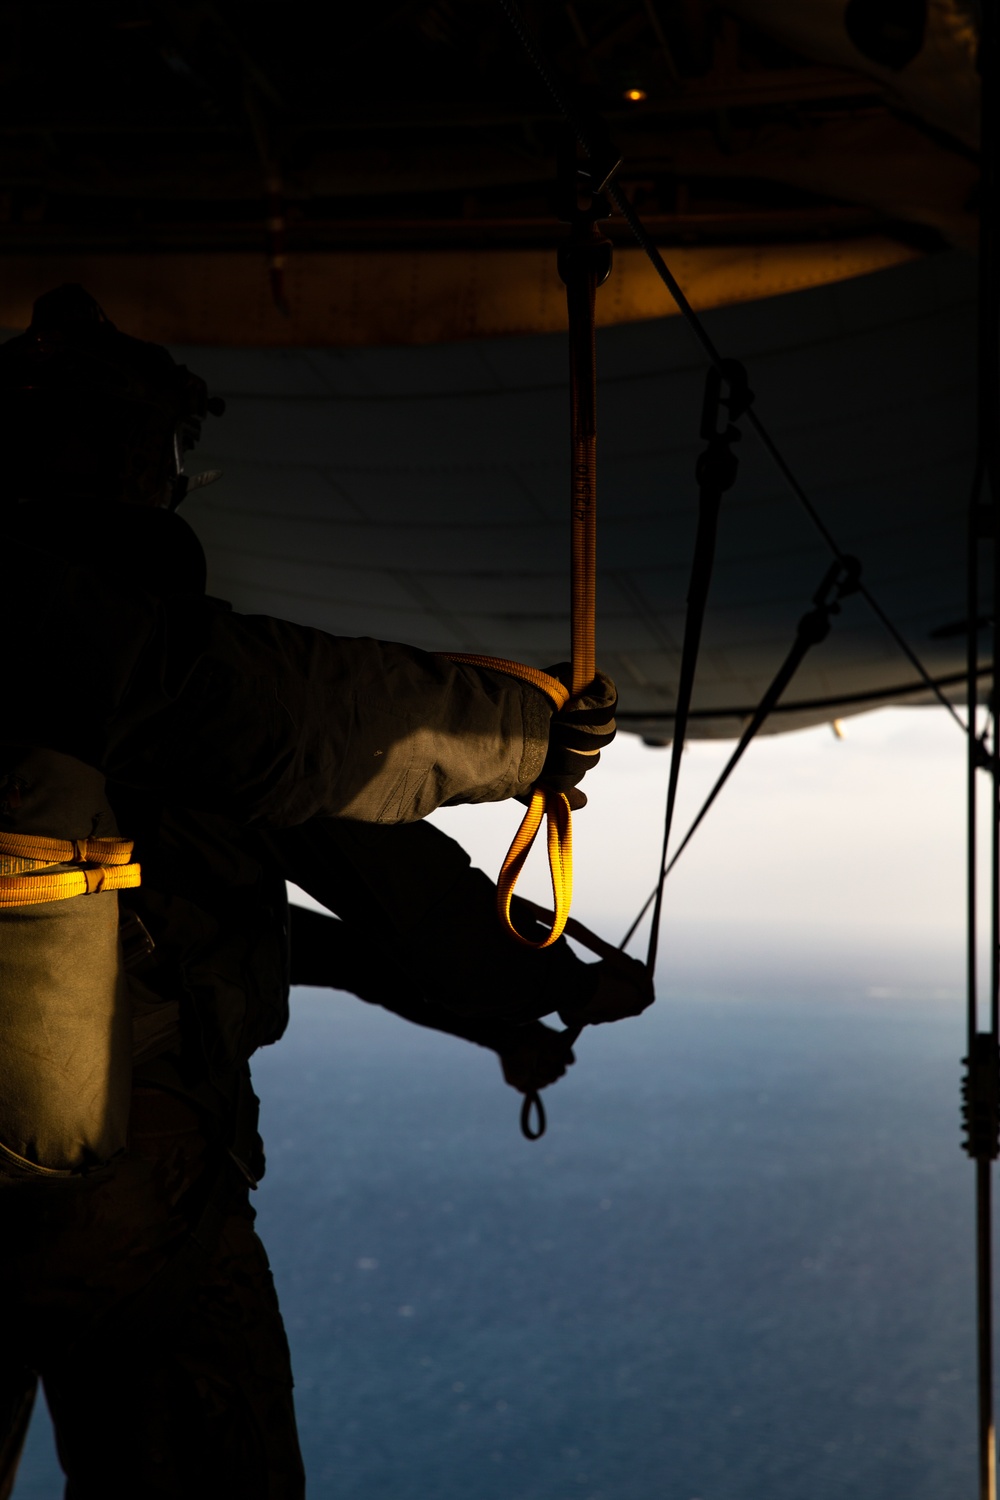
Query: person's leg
[(196, 1406), (17, 1399), (151, 1313)]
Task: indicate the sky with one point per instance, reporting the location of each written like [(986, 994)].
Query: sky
[(840, 856)]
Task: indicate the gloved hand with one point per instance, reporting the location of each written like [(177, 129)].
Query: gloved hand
[(536, 1059), (578, 733), (624, 988)]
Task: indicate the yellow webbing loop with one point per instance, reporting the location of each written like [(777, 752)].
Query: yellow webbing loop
[(553, 806), (27, 877), (559, 836)]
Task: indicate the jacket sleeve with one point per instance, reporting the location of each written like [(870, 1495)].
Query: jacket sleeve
[(259, 719), (410, 900), (332, 954)]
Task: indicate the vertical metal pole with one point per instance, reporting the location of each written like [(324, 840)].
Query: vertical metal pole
[(988, 423), (980, 1047), (972, 766), (984, 1286), (984, 1096)]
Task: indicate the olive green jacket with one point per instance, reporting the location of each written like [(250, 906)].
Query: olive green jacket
[(243, 750), (265, 721)]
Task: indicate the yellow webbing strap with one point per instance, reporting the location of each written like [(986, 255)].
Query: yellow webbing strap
[(559, 836), (66, 851), (553, 806), (555, 690), (27, 879)]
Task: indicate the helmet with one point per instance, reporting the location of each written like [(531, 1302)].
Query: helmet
[(88, 413)]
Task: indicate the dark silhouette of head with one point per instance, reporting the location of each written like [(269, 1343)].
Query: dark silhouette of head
[(89, 414)]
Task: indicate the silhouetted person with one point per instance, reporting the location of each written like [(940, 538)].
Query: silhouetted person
[(235, 752)]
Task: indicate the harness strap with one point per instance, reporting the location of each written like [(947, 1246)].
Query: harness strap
[(31, 890), (65, 851), (27, 877)]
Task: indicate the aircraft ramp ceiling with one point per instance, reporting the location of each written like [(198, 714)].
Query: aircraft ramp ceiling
[(421, 494)]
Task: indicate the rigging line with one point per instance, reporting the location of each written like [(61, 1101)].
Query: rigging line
[(813, 628), (645, 908), (642, 236), (866, 594), (697, 327), (638, 229), (716, 473)]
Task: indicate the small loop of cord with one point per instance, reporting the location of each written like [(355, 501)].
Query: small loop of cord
[(555, 808), (532, 1103)]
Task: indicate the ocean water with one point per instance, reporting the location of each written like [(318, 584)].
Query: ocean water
[(739, 1265)]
